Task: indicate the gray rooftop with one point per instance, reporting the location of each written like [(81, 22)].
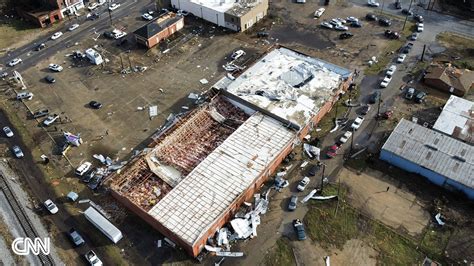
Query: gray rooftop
[(435, 151), (457, 119)]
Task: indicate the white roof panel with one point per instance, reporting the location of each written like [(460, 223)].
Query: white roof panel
[(457, 119)]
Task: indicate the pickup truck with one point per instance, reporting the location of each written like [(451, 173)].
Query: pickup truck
[(357, 122), (299, 228), (92, 258)]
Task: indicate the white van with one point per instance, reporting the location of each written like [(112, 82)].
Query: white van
[(24, 95)]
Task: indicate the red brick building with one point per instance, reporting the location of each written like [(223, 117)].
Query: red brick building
[(42, 13), (159, 29)]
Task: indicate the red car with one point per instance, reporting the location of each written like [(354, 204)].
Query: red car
[(332, 152)]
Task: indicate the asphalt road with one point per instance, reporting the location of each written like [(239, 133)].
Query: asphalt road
[(87, 27)]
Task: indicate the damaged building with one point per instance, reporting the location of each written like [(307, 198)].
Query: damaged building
[(196, 174)]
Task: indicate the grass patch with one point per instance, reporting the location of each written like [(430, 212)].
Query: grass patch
[(460, 46), (385, 56), (436, 241), (359, 163), (14, 30), (281, 254)]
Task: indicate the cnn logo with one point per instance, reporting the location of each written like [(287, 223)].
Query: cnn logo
[(24, 246)]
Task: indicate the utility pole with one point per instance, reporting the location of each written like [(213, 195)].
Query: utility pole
[(383, 4), (378, 106), (110, 13), (322, 178), (423, 54), (352, 142), (406, 17)]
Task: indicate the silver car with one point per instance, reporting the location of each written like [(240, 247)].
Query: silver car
[(293, 203), (18, 152)]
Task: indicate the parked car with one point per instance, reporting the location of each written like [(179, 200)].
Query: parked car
[(56, 35), (410, 93), (390, 70), (117, 34), (83, 168), (73, 27), (113, 6), (392, 34), (24, 95), (398, 4), (345, 137), (95, 181), (374, 97), (332, 152), (40, 47), (371, 17), (75, 237), (414, 36), (345, 35), (407, 12), (147, 16), (372, 3), (262, 34), (420, 97), (55, 67), (385, 22), (313, 170), (40, 113), (109, 35), (299, 228), (341, 20), (386, 80), (356, 24), (15, 62), (293, 203), (318, 13), (419, 27), (418, 18), (237, 54), (87, 177), (341, 27), (326, 24), (18, 152), (51, 207), (4, 75), (92, 6), (92, 258), (93, 16), (8, 132), (357, 122), (364, 110), (401, 58), (50, 119), (407, 48), (387, 114), (303, 183), (95, 105), (352, 19), (50, 79)]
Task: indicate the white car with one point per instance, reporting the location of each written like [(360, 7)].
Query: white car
[(83, 168), (352, 19), (318, 13), (55, 67), (15, 62), (56, 35), (92, 6), (51, 207), (8, 132), (341, 27), (303, 183), (373, 3), (147, 16), (237, 54), (391, 70), (73, 27), (92, 258), (18, 152), (50, 119), (357, 122), (114, 6), (386, 80), (419, 27), (118, 34), (327, 25), (401, 58), (345, 137), (24, 95)]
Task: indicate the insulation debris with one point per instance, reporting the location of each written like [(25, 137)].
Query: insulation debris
[(229, 254), (303, 165), (324, 197), (311, 151), (212, 249), (169, 242), (438, 219), (309, 196), (204, 81), (153, 111)]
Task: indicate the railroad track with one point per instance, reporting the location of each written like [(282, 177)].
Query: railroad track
[(22, 218)]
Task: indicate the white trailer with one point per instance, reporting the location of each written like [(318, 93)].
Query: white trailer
[(106, 227), (94, 56)]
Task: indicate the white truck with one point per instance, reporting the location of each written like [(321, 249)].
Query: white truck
[(94, 56), (101, 223)]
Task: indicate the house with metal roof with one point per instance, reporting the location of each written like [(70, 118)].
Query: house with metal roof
[(457, 119), (449, 79), (159, 29), (443, 160)]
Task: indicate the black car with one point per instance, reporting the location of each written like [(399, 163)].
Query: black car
[(420, 97), (374, 97), (371, 17), (356, 24), (398, 5), (346, 35), (50, 79), (108, 35), (364, 109), (299, 228), (392, 34), (40, 47), (407, 48), (407, 12), (95, 104), (418, 18), (313, 170), (40, 113), (385, 22), (262, 34)]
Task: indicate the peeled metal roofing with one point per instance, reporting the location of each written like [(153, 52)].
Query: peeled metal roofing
[(193, 206), (457, 119), (433, 150)]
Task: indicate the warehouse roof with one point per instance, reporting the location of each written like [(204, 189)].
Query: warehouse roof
[(433, 150), (289, 84), (157, 25), (202, 197), (457, 119)]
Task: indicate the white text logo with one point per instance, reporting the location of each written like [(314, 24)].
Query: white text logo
[(23, 246)]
